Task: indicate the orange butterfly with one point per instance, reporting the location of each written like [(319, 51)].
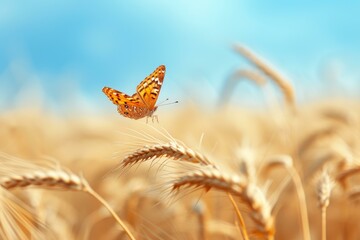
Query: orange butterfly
[(142, 103)]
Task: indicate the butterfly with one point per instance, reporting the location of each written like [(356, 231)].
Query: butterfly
[(142, 103)]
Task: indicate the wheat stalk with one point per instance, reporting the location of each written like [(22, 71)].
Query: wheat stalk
[(286, 161), (171, 149), (241, 219), (276, 161), (249, 193), (280, 80), (254, 76)]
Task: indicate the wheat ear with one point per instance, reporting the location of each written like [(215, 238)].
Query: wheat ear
[(57, 179), (280, 80), (46, 178), (250, 194), (171, 149), (324, 187), (180, 152)]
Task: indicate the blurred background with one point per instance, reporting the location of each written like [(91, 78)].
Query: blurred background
[(58, 55)]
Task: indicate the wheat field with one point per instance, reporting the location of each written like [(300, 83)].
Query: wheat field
[(289, 171)]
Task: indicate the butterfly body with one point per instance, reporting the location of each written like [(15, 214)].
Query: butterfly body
[(142, 103)]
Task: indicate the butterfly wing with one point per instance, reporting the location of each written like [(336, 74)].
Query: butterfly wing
[(117, 97), (149, 89), (128, 106)]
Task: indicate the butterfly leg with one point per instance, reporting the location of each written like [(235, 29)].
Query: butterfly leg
[(155, 117)]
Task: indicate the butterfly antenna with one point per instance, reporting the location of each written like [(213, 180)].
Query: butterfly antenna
[(163, 101), (164, 104)]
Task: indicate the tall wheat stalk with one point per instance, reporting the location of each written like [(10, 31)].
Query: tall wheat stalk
[(281, 81)]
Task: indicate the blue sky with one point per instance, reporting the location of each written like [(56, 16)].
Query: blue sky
[(60, 45)]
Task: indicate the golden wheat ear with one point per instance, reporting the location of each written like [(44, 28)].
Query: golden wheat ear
[(324, 187), (55, 180), (32, 175), (250, 194), (171, 150)]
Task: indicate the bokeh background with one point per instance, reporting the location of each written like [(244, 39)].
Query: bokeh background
[(56, 56), (60, 54)]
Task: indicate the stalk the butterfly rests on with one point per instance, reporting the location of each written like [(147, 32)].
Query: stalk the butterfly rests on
[(142, 102)]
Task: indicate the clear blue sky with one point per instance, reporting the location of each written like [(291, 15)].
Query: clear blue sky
[(88, 44)]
